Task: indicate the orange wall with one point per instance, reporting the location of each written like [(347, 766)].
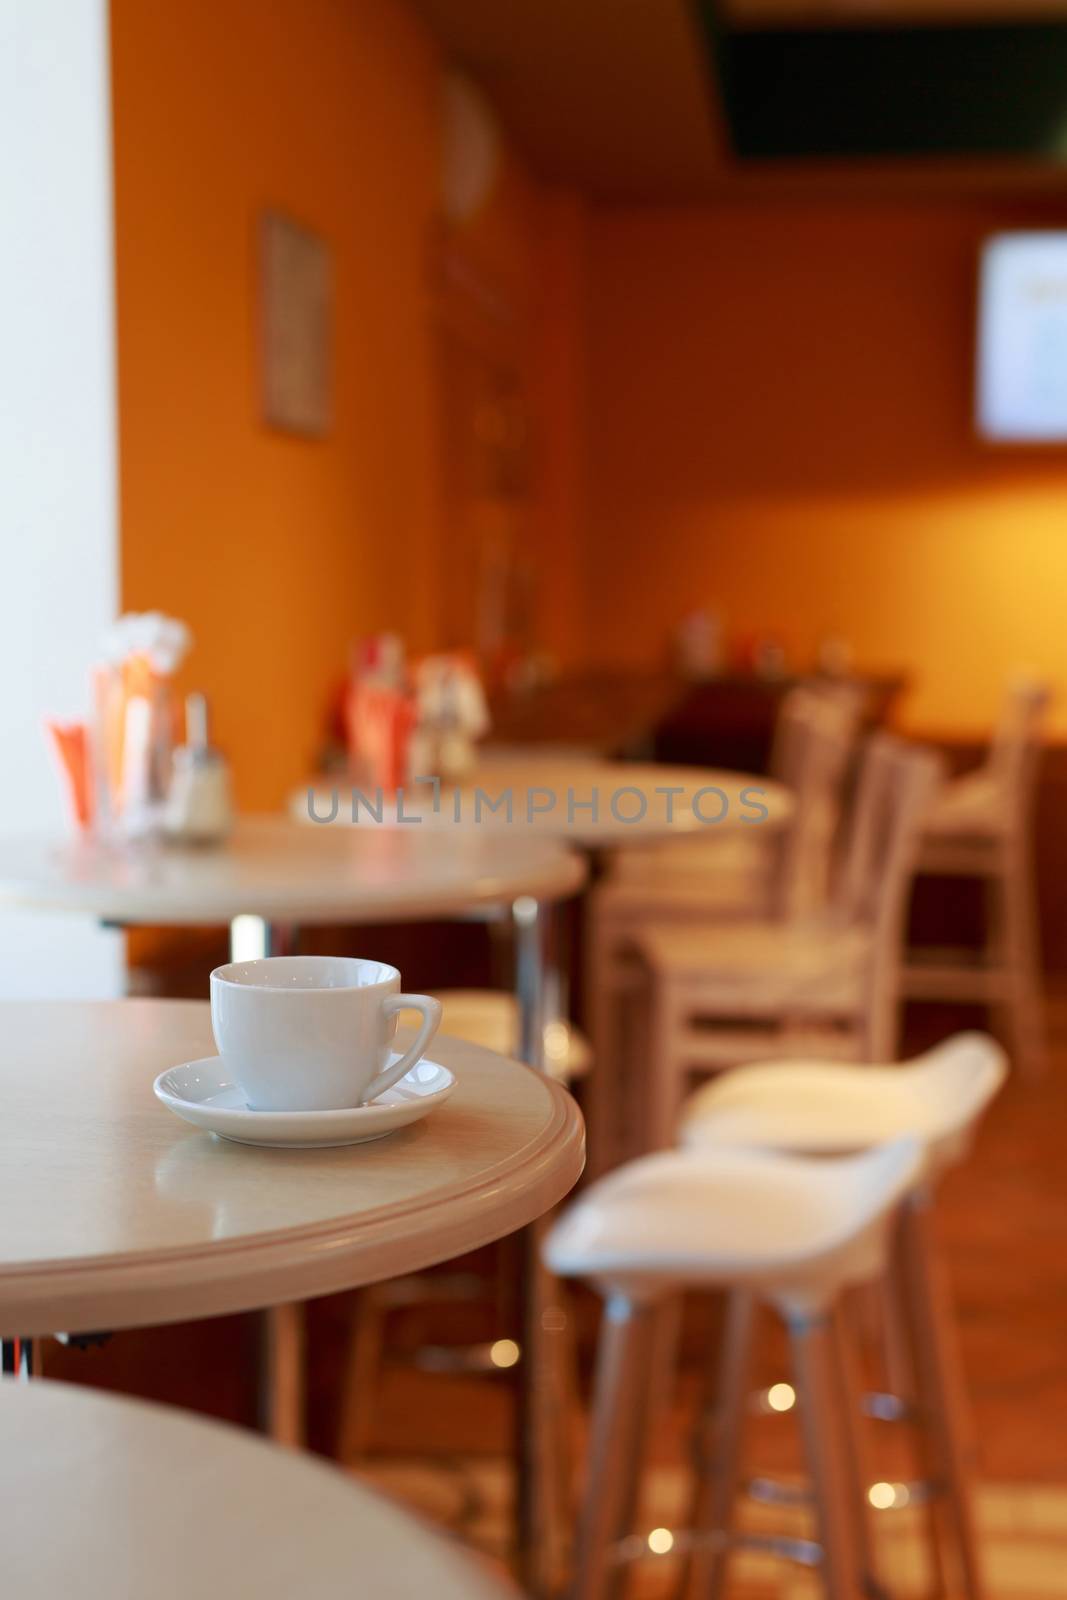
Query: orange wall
[(779, 416), (279, 550)]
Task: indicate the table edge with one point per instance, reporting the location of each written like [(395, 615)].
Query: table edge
[(230, 1276)]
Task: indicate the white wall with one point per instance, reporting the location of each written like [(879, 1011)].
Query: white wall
[(58, 521)]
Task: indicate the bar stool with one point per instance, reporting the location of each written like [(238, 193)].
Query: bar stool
[(786, 1230), (827, 1108), (981, 828)]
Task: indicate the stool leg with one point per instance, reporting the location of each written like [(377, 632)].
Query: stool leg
[(617, 1440), (854, 1443), (568, 1389), (895, 1343), (939, 1381), (818, 1405), (719, 1461)]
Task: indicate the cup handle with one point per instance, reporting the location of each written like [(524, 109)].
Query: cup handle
[(431, 1021)]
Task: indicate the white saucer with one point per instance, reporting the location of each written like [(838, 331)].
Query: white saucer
[(200, 1092)]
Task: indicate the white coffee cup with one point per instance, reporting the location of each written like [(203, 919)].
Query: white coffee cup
[(313, 1033)]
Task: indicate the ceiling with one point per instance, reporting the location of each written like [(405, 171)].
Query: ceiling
[(611, 95), (621, 97), (836, 13)]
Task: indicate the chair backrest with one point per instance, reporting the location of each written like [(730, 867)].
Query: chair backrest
[(1014, 752), (832, 705), (814, 742), (893, 793)]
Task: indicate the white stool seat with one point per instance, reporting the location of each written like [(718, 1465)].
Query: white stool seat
[(794, 1229), (828, 1108)]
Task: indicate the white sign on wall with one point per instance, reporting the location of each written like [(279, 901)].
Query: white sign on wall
[(1022, 338)]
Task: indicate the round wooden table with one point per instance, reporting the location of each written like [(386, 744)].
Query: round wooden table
[(272, 875), (111, 1499), (273, 871), (584, 801), (113, 1213)]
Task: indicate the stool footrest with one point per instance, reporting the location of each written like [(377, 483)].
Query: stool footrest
[(773, 1492), (883, 1407), (801, 1552), (636, 1547)]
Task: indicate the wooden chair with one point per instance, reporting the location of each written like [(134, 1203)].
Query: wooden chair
[(981, 827), (824, 983), (752, 867), (692, 883)]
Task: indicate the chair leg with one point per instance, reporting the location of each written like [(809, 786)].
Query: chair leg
[(619, 1423), (939, 1379), (600, 1088), (818, 1406), (281, 1398), (879, 1027), (542, 1416), (719, 1450), (1020, 943), (664, 1066), (361, 1376)]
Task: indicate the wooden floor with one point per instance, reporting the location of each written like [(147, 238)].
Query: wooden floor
[(438, 1440)]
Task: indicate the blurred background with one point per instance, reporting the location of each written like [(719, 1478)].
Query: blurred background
[(659, 354)]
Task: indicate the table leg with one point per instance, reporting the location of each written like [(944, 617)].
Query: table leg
[(253, 938), (529, 919), (542, 1481)]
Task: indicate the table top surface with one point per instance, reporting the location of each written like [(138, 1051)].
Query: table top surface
[(115, 1499), (115, 1213), (274, 869), (572, 798)]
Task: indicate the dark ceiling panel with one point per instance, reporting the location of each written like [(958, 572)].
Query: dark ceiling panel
[(888, 92)]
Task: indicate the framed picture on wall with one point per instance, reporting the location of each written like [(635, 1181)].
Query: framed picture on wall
[(296, 310)]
